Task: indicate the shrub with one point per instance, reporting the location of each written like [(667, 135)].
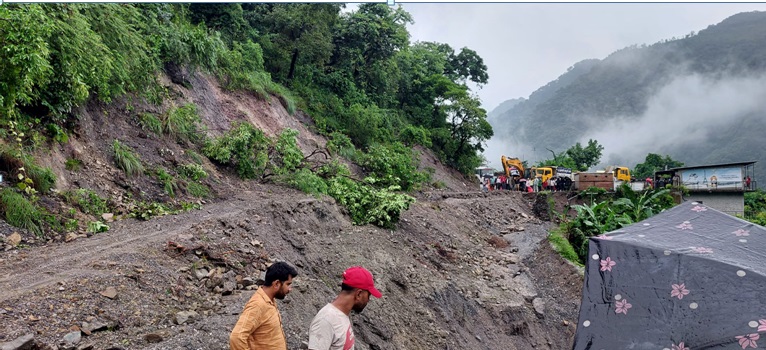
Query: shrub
[(368, 205), (181, 123), (308, 182), (192, 171), (151, 123), (88, 201), (563, 247), (244, 146), (393, 164), (43, 178), (97, 227), (169, 183), (412, 135), (196, 157), (198, 190), (20, 212), (73, 164), (341, 144), (126, 159)]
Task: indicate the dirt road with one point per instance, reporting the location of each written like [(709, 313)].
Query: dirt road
[(461, 271)]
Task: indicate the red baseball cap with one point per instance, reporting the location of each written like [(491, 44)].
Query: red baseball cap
[(359, 277)]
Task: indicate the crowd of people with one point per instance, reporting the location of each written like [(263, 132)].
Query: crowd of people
[(499, 182)]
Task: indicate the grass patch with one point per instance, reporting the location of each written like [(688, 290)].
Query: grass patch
[(169, 183), (44, 179), (196, 157), (20, 212), (181, 123), (88, 201), (563, 247), (198, 190), (151, 123), (192, 171), (127, 159), (73, 164)]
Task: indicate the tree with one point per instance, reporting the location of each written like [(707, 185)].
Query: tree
[(653, 163), (587, 157)]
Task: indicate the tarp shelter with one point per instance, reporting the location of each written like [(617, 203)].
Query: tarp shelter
[(688, 278)]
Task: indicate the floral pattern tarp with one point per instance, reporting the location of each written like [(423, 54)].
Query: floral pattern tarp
[(689, 278)]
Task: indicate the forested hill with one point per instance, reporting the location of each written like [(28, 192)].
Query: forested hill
[(700, 99), (356, 74)]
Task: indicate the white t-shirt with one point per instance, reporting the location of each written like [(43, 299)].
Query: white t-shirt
[(331, 330)]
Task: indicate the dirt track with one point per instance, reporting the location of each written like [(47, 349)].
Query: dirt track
[(445, 286)]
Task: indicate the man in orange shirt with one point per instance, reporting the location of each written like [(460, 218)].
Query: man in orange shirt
[(260, 324)]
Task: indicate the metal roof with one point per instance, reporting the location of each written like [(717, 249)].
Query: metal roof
[(713, 165)]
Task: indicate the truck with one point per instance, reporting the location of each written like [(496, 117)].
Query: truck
[(611, 178), (562, 175)]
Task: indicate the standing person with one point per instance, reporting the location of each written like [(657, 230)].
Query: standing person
[(260, 325), (331, 327), (747, 182)]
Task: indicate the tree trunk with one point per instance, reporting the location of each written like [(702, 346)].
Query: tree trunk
[(293, 61)]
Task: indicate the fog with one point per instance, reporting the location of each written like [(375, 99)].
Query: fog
[(681, 113)]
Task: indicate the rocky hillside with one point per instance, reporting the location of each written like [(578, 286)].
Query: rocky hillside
[(460, 270), (696, 98)]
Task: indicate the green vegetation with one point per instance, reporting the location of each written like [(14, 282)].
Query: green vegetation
[(151, 123), (625, 208), (368, 89), (198, 190), (577, 157), (88, 201), (182, 123), (755, 207), (168, 182), (192, 171), (126, 159), (563, 247), (72, 164), (654, 163), (97, 227), (20, 212)]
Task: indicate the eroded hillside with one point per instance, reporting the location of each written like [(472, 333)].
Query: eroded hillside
[(460, 270)]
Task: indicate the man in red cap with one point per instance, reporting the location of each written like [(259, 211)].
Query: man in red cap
[(331, 327)]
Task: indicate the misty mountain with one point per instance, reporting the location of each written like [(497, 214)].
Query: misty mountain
[(699, 99)]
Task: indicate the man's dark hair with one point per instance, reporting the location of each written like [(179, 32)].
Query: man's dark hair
[(279, 271), (346, 288)]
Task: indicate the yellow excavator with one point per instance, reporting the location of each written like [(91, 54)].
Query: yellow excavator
[(513, 167)]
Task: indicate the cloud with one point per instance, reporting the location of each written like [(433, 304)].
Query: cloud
[(683, 112)]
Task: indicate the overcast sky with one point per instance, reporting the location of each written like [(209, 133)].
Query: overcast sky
[(525, 46)]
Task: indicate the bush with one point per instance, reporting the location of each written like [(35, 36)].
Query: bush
[(368, 205), (44, 179), (394, 164), (308, 182), (198, 190), (151, 123), (196, 157), (341, 144), (20, 212), (126, 159), (73, 164), (412, 135), (88, 201), (181, 123), (192, 171), (169, 183), (244, 146)]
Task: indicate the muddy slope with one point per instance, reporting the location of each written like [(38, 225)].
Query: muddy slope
[(462, 270), (447, 281)]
